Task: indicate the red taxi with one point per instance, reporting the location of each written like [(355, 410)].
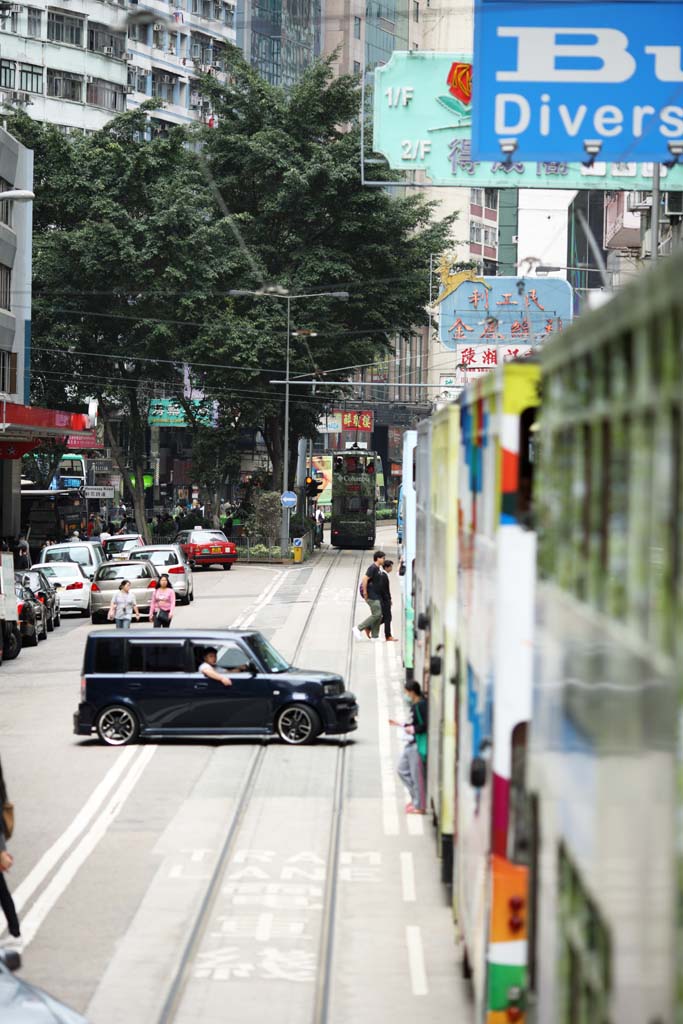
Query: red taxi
[(207, 547)]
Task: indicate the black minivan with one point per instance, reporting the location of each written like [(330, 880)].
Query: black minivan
[(140, 683)]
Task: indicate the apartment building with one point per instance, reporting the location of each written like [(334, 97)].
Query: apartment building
[(65, 65), (280, 38), (167, 44)]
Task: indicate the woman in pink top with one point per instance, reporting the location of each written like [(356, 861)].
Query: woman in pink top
[(163, 604)]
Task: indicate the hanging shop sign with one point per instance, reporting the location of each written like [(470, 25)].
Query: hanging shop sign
[(572, 81), (424, 118), (494, 312)]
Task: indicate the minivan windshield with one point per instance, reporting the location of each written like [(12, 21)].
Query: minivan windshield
[(273, 661)]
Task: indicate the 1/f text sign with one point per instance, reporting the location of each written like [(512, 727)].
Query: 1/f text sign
[(567, 81)]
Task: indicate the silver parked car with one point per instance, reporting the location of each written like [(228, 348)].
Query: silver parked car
[(171, 559), (143, 578)]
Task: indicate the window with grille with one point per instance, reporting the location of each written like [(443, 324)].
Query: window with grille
[(109, 95), (30, 78), (491, 198), (64, 28), (35, 22), (65, 85), (356, 28), (475, 231), (101, 38), (5, 286), (7, 73), (8, 372)]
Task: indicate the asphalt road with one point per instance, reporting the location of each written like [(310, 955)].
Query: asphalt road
[(114, 848)]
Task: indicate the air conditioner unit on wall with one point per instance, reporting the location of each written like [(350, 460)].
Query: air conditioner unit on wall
[(108, 51)]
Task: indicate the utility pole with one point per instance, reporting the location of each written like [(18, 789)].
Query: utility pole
[(654, 218)]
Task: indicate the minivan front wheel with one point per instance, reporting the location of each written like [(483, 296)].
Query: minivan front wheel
[(117, 726), (298, 724)]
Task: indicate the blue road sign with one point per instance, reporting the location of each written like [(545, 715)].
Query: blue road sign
[(288, 499), (571, 81)]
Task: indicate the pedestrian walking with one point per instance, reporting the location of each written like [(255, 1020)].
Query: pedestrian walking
[(319, 526), (370, 594), (163, 603), (411, 765), (13, 940), (385, 599), (123, 607)]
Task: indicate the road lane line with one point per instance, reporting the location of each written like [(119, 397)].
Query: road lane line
[(416, 960), (80, 853), (386, 761), (266, 598), (260, 598), (408, 877), (54, 854)]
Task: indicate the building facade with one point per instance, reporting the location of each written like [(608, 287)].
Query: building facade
[(280, 38)]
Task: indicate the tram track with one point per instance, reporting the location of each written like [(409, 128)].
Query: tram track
[(322, 991)]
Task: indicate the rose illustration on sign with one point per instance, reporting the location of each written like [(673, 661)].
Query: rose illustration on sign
[(459, 81)]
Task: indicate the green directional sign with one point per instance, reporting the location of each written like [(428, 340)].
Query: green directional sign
[(423, 121)]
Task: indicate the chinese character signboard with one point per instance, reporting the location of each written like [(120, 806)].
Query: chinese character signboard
[(500, 311), (562, 81), (167, 412), (355, 420), (423, 120)]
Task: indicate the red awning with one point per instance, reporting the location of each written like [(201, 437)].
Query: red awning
[(30, 422)]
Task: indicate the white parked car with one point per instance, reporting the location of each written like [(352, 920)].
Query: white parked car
[(170, 559), (74, 585)]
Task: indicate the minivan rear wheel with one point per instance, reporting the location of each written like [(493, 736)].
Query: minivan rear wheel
[(298, 724), (117, 725)]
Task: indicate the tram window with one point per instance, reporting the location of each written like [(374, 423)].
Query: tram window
[(519, 831), (527, 440)]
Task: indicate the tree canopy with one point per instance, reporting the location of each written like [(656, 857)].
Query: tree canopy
[(140, 237)]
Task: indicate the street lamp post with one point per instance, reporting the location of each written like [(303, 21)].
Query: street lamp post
[(278, 293)]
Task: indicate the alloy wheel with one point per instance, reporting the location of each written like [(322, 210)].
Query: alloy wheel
[(296, 725), (117, 726)]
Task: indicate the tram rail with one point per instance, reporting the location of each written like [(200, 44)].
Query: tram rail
[(322, 991)]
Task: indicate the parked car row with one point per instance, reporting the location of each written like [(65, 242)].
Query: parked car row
[(39, 611)]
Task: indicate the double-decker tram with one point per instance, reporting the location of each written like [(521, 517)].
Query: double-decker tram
[(354, 499)]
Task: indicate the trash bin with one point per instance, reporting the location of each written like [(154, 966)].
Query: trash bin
[(298, 554)]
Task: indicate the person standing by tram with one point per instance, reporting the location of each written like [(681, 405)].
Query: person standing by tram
[(371, 595), (411, 765), (385, 599)]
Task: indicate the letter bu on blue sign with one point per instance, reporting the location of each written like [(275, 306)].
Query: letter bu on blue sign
[(288, 499), (567, 81)]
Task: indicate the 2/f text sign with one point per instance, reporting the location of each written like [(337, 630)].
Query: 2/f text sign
[(567, 81)]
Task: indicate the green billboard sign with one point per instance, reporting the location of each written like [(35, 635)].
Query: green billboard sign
[(168, 412), (423, 121)]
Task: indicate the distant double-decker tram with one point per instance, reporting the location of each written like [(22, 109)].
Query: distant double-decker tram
[(354, 499)]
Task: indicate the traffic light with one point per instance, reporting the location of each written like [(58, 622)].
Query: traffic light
[(312, 487)]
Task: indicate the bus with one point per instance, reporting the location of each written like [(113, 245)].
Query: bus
[(52, 515), (354, 499), (70, 473)]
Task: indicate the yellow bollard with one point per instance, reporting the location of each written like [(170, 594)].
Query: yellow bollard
[(298, 554)]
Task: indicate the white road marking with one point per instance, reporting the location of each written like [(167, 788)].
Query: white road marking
[(386, 762), (265, 598), (408, 877), (68, 869), (54, 854), (416, 960)]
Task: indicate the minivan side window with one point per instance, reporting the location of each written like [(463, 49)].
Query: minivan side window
[(109, 656), (231, 656), (150, 657)]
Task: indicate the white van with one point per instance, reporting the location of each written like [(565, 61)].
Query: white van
[(88, 554)]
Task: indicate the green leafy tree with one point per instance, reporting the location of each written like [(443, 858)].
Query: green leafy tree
[(286, 164)]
